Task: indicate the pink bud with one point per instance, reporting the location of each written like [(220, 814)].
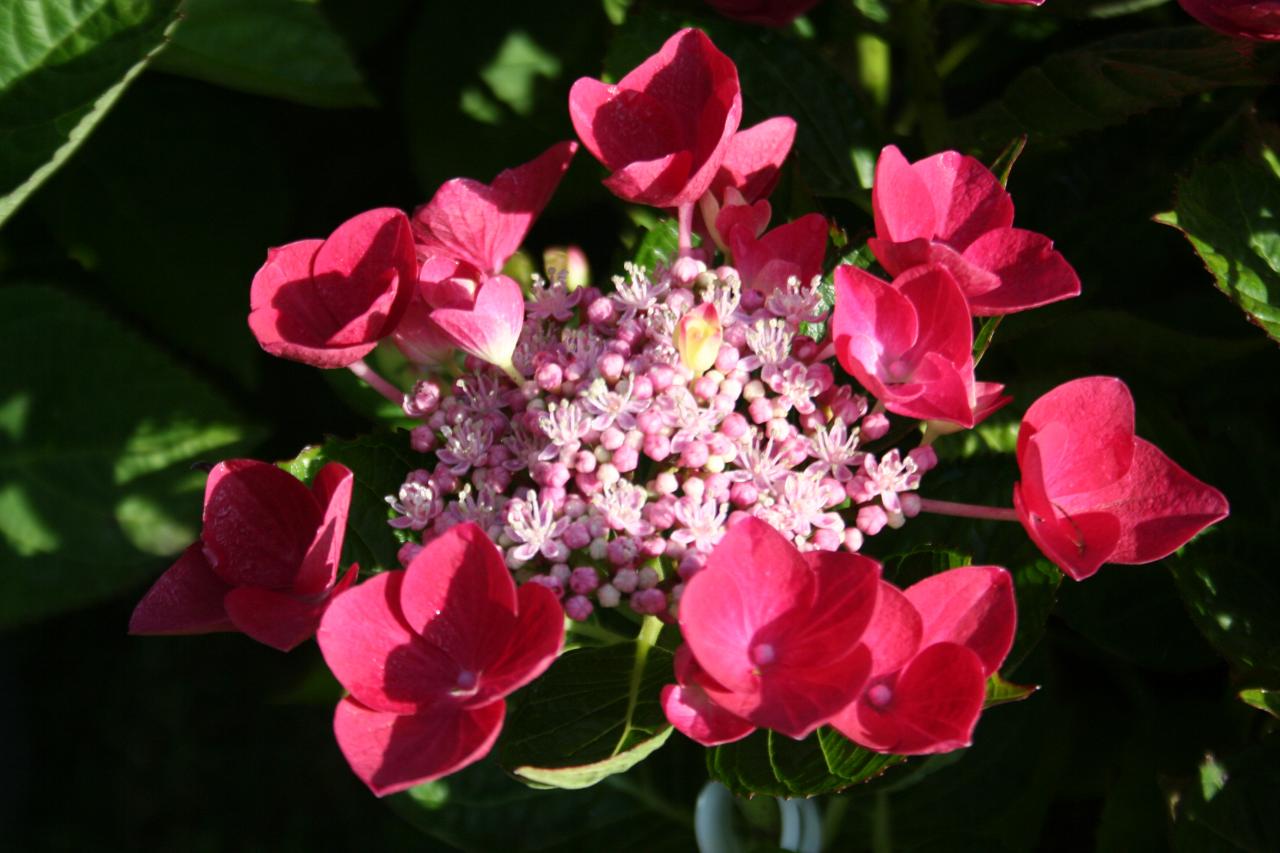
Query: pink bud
[(875, 426), (570, 261), (925, 457), (625, 459), (583, 580), (872, 519), (422, 439), (657, 447)]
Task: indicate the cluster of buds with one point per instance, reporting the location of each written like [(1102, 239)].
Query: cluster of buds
[(709, 443)]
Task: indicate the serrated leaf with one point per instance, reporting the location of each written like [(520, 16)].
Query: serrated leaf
[(595, 712), (1109, 81), (1230, 212), (63, 64), (1262, 699), (303, 59), (775, 765), (379, 462), (97, 434)]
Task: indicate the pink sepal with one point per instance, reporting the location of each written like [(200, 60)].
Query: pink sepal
[(795, 249), (278, 619), (327, 303), (933, 705), (186, 599), (969, 605), (392, 752), (484, 224), (691, 710), (664, 128)]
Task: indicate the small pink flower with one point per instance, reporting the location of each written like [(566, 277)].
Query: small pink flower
[(267, 560), (1092, 492), (933, 648), (950, 210), (777, 631), (484, 224), (1254, 19), (427, 655), (792, 250), (327, 303), (768, 13), (909, 343), (664, 128)]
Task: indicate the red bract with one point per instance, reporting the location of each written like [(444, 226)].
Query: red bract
[(795, 249), (664, 128), (267, 560), (753, 159), (484, 224), (1092, 492), (768, 13), (950, 210), (910, 344), (327, 303), (458, 306), (691, 710), (427, 655), (1248, 18), (776, 631), (932, 648)]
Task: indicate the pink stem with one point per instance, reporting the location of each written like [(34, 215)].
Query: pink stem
[(684, 219), (992, 513), (376, 382)]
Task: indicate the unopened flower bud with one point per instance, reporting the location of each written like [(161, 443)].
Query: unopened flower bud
[(697, 338)]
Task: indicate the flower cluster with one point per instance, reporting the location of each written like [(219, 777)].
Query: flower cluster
[(710, 443)]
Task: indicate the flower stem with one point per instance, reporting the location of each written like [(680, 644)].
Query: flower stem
[(595, 632), (915, 24), (991, 513), (684, 219), (376, 382)]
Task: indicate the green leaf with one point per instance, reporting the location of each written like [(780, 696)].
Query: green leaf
[(379, 463), (63, 63), (1233, 597), (595, 712), (921, 562), (1230, 211), (659, 246), (98, 430), (1000, 692), (1107, 82), (1262, 699), (1230, 804), (982, 340), (481, 808), (775, 765), (279, 48), (1035, 586)]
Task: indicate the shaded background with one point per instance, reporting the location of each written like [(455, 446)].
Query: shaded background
[(126, 359)]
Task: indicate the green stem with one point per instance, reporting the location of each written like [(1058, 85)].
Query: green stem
[(915, 23), (881, 836)]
